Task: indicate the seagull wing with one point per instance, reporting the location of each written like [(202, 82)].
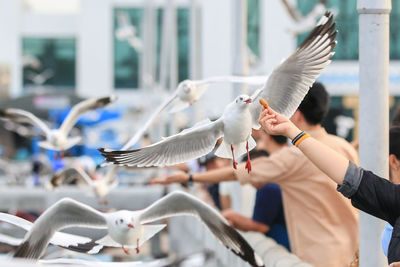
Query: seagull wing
[(22, 116), (153, 117), (180, 203), (65, 213), (189, 144), (68, 241), (291, 80), (82, 107), (61, 176)]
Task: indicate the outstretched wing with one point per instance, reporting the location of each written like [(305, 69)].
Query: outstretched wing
[(63, 175), (180, 203), (22, 116), (68, 241), (65, 213), (189, 144), (291, 80), (82, 107)]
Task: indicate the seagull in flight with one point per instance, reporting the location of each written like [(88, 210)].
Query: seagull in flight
[(130, 229), (40, 78), (284, 90), (101, 186), (57, 139), (127, 32)]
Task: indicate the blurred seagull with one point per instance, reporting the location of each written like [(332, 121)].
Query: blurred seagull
[(40, 78), (64, 240), (130, 229), (127, 32), (57, 139), (284, 90), (30, 61), (100, 186)]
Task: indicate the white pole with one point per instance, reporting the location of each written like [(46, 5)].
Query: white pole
[(374, 117), (195, 40), (240, 62)]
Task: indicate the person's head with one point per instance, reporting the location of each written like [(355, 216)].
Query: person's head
[(396, 116), (313, 108), (268, 142), (394, 154)]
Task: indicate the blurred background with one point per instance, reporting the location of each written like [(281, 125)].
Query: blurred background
[(54, 54)]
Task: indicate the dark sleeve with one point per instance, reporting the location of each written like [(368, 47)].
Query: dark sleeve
[(268, 204), (372, 194)]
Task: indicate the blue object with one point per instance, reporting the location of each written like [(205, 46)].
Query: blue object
[(92, 118), (268, 209), (386, 237)]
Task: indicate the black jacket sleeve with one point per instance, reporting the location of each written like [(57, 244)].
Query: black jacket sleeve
[(372, 194)]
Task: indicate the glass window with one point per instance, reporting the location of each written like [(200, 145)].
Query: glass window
[(126, 59), (347, 24), (49, 61), (253, 29)]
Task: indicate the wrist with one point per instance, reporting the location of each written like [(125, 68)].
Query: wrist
[(292, 132)]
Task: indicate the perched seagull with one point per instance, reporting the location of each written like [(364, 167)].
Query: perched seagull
[(57, 139), (284, 90), (127, 32), (101, 186), (40, 78), (64, 240), (188, 92), (129, 229)]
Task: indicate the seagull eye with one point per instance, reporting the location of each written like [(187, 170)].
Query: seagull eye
[(241, 98), (121, 221)]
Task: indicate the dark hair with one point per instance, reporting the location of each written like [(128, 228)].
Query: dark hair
[(315, 104), (256, 153), (394, 141), (280, 139)]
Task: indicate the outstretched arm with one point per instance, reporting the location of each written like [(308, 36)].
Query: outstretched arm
[(325, 158), (214, 176)]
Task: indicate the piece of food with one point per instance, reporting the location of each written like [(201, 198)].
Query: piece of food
[(263, 102)]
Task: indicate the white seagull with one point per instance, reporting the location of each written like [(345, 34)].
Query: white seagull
[(130, 229), (64, 240), (101, 186), (40, 78), (57, 139), (284, 90), (127, 32)]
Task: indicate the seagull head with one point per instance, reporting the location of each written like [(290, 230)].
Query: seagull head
[(243, 100), (186, 91), (123, 220)]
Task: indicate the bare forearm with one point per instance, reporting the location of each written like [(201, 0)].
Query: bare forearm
[(247, 224), (325, 158), (215, 176)]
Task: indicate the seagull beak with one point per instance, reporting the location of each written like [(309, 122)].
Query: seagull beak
[(130, 225), (248, 101)]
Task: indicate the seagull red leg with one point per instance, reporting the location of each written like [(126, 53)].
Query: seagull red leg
[(248, 163), (137, 246), (233, 158), (126, 250)]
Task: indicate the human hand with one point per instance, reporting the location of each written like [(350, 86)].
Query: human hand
[(277, 124), (230, 215), (395, 264), (177, 177)]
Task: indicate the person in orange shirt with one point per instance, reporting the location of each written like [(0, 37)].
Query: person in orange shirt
[(322, 224)]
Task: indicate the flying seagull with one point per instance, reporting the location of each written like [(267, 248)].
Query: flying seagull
[(57, 139), (130, 229), (284, 90), (127, 32), (64, 240), (100, 186)]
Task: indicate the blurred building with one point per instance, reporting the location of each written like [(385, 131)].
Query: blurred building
[(71, 45)]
